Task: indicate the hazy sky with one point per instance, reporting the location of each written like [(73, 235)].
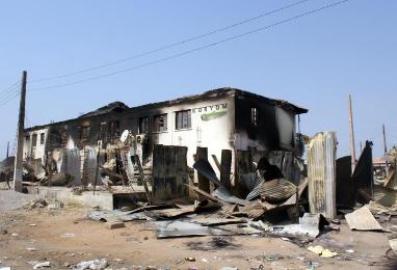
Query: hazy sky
[(314, 61)]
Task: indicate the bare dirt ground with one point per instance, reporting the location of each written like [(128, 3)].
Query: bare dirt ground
[(65, 237), (11, 200)]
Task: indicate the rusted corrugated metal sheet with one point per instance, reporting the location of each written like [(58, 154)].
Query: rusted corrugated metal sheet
[(321, 165), (170, 174), (278, 190)]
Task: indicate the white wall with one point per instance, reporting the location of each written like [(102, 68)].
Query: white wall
[(39, 151), (213, 126), (286, 125)]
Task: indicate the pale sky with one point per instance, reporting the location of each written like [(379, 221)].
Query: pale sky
[(314, 61)]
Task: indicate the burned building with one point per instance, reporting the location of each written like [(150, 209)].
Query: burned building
[(245, 125)]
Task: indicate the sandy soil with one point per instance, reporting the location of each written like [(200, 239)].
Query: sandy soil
[(65, 237)]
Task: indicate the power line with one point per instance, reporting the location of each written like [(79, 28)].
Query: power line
[(10, 96), (9, 93), (264, 28), (8, 100), (9, 88), (174, 44), (5, 94)]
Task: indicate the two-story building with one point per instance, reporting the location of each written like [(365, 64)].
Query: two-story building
[(250, 125)]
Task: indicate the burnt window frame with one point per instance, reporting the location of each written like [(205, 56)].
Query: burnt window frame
[(34, 139), (42, 138), (185, 114), (158, 128), (102, 131), (114, 128), (85, 132), (141, 120), (254, 116)]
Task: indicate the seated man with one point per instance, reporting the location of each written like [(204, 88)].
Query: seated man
[(268, 172)]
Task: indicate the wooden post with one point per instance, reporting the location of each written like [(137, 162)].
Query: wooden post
[(216, 161), (143, 179), (203, 182), (97, 168), (49, 168), (8, 150), (20, 136), (384, 138), (226, 167), (296, 216), (352, 138)]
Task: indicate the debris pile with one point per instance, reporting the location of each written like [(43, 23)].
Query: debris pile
[(37, 203), (270, 206), (269, 194), (97, 264)]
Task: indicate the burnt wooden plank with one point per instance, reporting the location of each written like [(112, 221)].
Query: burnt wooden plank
[(203, 182), (363, 177), (226, 167), (170, 174), (345, 188)]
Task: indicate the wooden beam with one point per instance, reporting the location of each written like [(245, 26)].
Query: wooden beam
[(203, 182), (226, 167)]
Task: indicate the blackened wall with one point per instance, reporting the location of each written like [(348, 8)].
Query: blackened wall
[(274, 128)]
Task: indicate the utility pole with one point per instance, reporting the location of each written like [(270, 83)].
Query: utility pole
[(384, 138), (20, 137), (8, 150), (352, 139)]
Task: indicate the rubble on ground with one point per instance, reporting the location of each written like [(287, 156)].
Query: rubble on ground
[(97, 264), (265, 204), (37, 203)]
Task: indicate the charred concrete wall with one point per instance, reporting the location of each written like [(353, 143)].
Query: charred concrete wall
[(220, 119), (265, 128), (208, 122), (263, 125), (81, 132)]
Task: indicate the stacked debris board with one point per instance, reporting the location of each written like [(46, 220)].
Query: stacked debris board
[(170, 174), (321, 165), (203, 182), (345, 187), (226, 167), (245, 166), (363, 172)]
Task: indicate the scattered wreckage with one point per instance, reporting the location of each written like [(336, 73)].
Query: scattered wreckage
[(193, 202), (272, 207)]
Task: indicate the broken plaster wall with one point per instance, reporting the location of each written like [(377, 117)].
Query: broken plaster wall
[(212, 126), (270, 133), (263, 126), (66, 143), (34, 144), (219, 120)]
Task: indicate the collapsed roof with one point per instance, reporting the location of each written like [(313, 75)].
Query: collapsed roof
[(119, 106)]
